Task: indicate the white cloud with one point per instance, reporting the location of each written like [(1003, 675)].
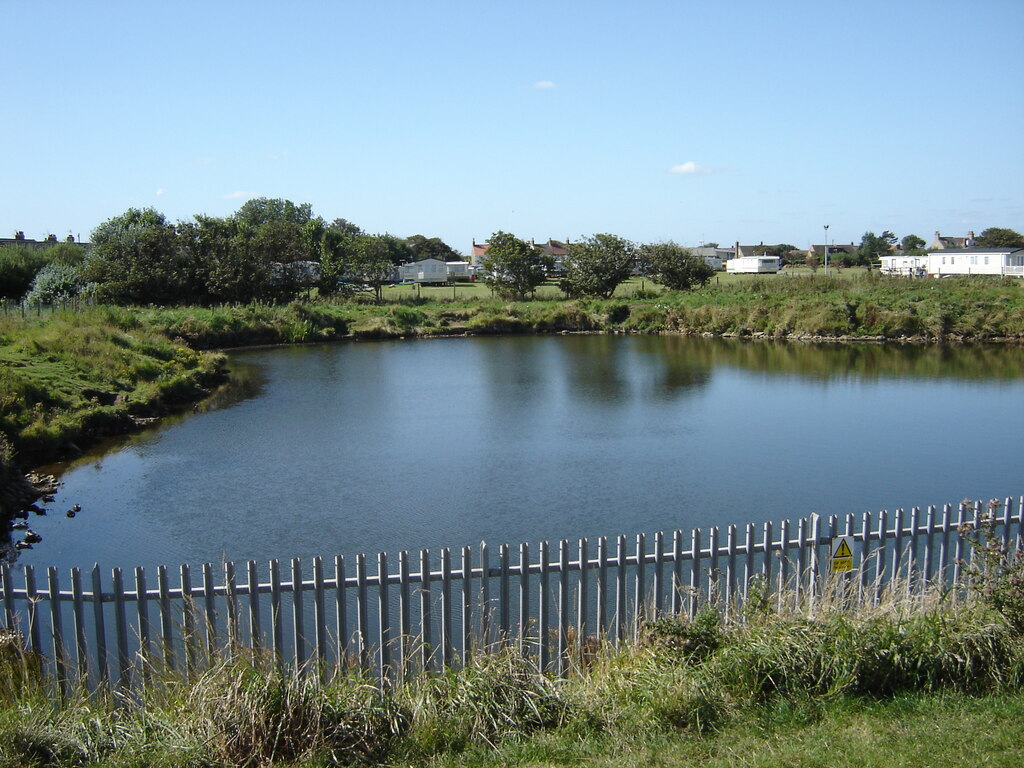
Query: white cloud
[(542, 85), (234, 195), (689, 168), (160, 192)]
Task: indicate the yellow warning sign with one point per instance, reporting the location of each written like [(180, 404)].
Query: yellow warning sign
[(842, 556)]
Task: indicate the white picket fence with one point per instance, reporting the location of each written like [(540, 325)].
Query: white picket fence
[(429, 611)]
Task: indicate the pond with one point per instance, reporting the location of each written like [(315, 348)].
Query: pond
[(383, 446)]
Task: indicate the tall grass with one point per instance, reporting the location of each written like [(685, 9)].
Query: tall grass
[(683, 677)]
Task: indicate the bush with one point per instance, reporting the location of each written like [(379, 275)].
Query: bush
[(56, 282)]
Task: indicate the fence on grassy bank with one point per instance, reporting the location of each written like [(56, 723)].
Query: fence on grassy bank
[(429, 611)]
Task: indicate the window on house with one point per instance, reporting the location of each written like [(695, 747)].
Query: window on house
[(974, 259), (986, 259)]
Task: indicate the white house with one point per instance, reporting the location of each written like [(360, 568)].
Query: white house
[(423, 271), (976, 261), (457, 270), (910, 265), (713, 257), (754, 264)]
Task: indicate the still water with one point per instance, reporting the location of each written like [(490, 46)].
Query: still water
[(367, 447)]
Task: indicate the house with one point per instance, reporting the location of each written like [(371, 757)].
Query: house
[(941, 243), (899, 263), (556, 249), (754, 265), (424, 271), (818, 251), (1008, 262), (457, 271), (50, 241), (713, 257)]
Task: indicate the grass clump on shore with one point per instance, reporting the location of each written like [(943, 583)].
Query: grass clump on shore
[(77, 376)]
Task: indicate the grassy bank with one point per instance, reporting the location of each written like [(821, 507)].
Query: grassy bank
[(907, 682), (818, 307), (68, 378)]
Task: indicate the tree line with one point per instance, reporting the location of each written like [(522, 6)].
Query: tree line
[(274, 250), (594, 266), (270, 250)]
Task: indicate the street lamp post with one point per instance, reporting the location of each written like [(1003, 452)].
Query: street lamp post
[(826, 250)]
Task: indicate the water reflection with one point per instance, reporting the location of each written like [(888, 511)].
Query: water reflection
[(409, 444)]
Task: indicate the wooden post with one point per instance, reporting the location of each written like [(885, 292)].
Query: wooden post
[(102, 673), (563, 620), (121, 630), (602, 619), (276, 619), (404, 665), (56, 629), (253, 581), (78, 610), (467, 604), (524, 598), (620, 590), (446, 608), (695, 572), (210, 607), (542, 610), (142, 611), (298, 619), (640, 601), (426, 630), (319, 617), (583, 596), (384, 618), (166, 624), (341, 612)]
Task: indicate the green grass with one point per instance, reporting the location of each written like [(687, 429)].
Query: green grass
[(74, 376)]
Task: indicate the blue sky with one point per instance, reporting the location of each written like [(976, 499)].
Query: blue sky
[(693, 121)]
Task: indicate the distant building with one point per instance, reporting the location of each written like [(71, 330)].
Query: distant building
[(50, 241), (556, 249), (754, 265), (1008, 262), (425, 271), (714, 257), (906, 264), (941, 243), (818, 251)]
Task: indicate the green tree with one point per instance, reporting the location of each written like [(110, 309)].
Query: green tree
[(226, 270), (913, 244), (372, 262), (999, 237), (337, 254), (516, 268), (18, 267), (135, 259), (675, 267), (56, 282), (274, 233), (873, 247), (596, 265), (398, 251), (421, 247)]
